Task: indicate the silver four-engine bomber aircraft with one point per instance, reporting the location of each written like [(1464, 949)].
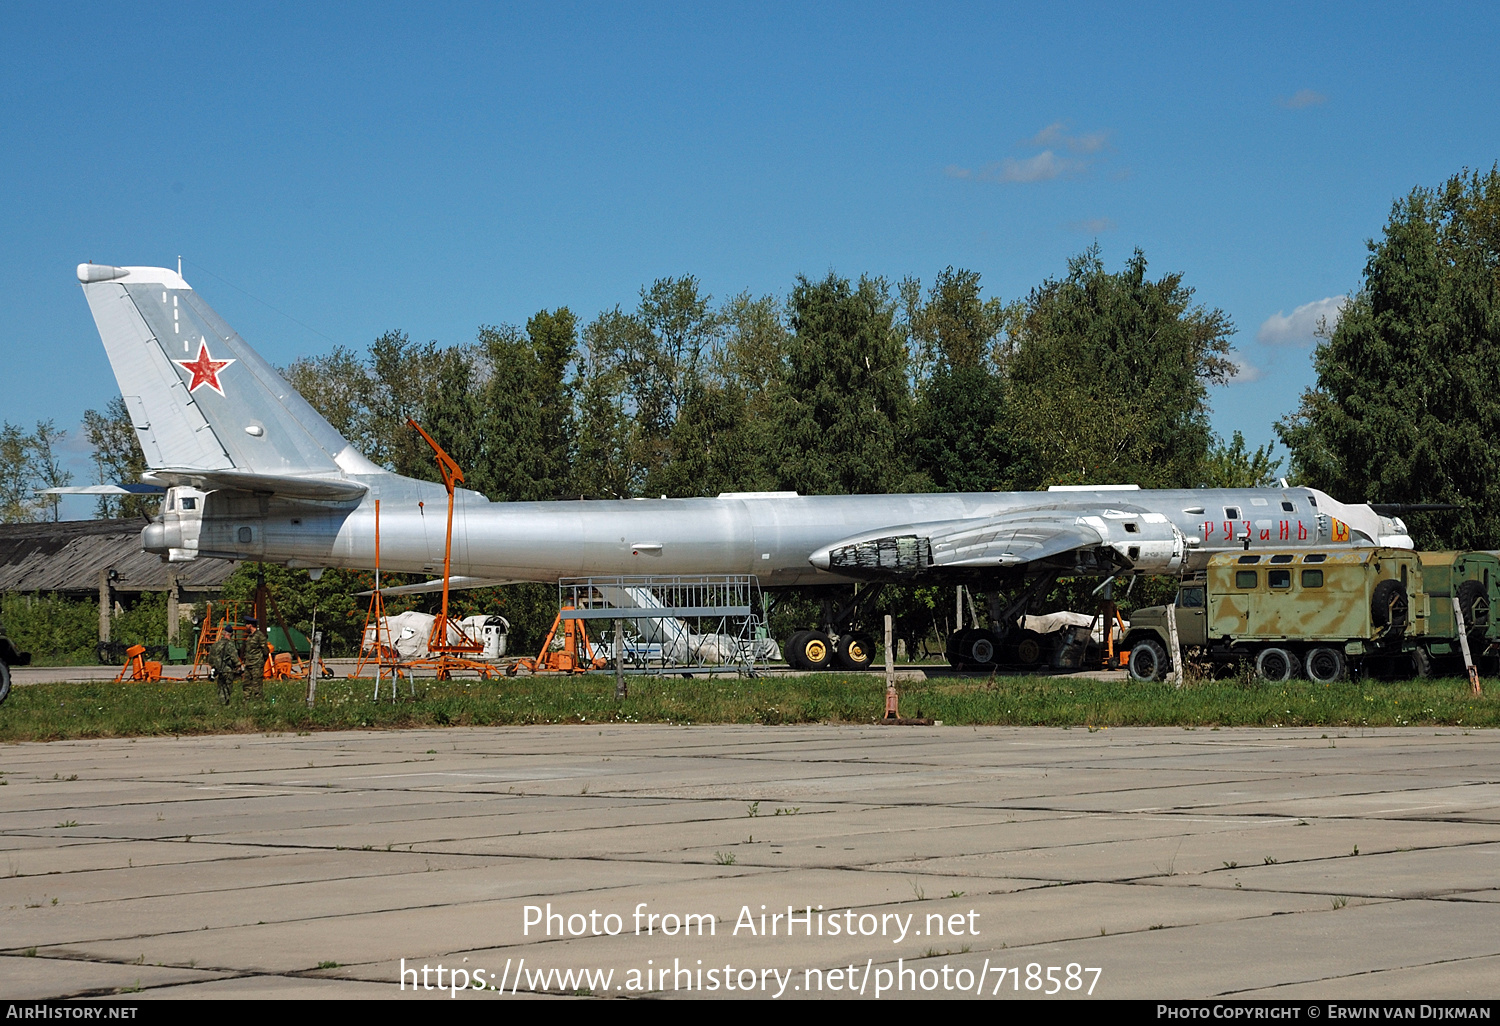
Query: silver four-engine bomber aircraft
[(253, 472)]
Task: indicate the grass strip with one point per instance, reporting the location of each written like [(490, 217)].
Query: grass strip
[(54, 712)]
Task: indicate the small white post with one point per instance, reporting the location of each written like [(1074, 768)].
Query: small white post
[(1463, 642), (1176, 676)]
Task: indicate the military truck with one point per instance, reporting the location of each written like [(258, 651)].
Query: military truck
[(9, 657), (1380, 611)]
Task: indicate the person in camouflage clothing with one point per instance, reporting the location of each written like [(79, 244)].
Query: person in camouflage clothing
[(256, 651), (224, 657)]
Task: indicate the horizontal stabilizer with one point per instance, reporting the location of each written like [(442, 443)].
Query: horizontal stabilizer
[(106, 489), (285, 485)]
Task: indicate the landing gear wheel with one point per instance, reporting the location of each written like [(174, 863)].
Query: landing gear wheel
[(958, 653), (1325, 665), (815, 651), (794, 649), (1029, 649), (982, 648), (1148, 661), (1276, 665), (854, 652)]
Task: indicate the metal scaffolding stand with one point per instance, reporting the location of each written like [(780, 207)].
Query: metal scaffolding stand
[(695, 624)]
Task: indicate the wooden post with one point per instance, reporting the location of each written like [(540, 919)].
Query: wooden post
[(174, 615), (1463, 641), (312, 668), (619, 659), (890, 674), (958, 605), (105, 605)]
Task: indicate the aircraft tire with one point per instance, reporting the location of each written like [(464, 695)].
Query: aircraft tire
[(1276, 665), (1029, 649), (855, 652), (793, 650), (815, 651), (1325, 665), (1148, 661), (981, 648)]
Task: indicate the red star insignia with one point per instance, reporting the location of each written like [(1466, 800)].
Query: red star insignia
[(205, 369)]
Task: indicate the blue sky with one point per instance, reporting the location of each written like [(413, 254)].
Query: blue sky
[(329, 172)]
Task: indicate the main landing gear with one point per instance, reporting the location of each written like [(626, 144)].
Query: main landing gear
[(840, 644), (1004, 642)]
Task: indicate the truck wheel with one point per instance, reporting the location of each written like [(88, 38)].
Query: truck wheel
[(1148, 661), (1276, 665), (1474, 600), (4, 682), (1421, 662), (1388, 604), (855, 652), (1325, 665)]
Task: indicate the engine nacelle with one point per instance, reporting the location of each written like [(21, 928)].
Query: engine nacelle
[(1149, 542)]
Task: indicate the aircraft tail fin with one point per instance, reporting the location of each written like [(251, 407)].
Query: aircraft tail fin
[(206, 408)]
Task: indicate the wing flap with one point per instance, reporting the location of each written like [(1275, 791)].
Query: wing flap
[(926, 550)]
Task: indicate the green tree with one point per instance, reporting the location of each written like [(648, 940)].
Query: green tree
[(1111, 374), (841, 407), (1233, 465), (525, 416), (960, 439), (17, 502), (46, 469), (603, 464), (1407, 403), (118, 459)]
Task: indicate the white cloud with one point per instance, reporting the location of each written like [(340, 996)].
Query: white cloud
[(1043, 166), (1056, 134), (1303, 98), (1301, 327), (1093, 225), (1244, 372), (1040, 168)]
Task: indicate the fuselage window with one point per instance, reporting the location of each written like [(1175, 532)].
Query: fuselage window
[(1246, 579), (1279, 578), (1283, 558), (1249, 559), (1231, 512), (1316, 557), (1289, 507)]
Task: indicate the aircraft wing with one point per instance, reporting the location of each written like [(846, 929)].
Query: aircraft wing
[(1079, 541), (430, 587)]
